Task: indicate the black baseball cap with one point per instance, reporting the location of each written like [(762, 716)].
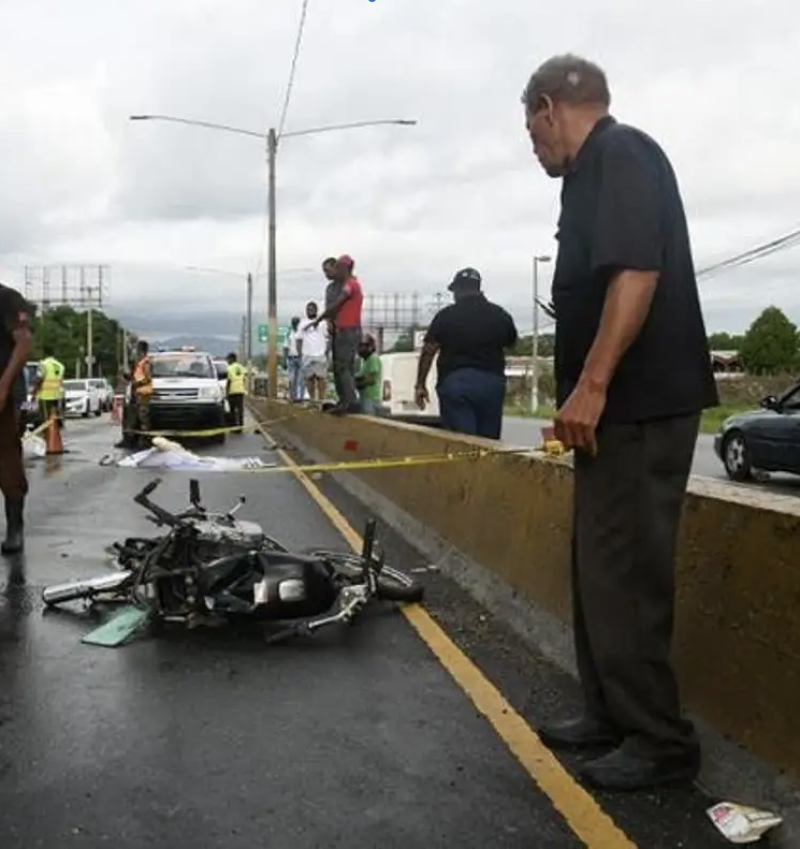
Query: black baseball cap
[(467, 278)]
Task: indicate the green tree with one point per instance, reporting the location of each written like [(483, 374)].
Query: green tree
[(725, 342), (405, 341), (524, 345), (771, 344), (65, 330)]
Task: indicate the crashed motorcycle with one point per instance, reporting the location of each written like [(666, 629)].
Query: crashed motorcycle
[(212, 567)]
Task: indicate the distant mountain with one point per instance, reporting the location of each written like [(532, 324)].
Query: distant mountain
[(217, 346)]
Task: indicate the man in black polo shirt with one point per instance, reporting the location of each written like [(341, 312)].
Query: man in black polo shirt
[(633, 374), (471, 336)]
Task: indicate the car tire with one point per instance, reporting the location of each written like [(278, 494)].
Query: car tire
[(736, 457), (98, 412)]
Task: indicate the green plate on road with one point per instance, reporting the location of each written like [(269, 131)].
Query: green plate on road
[(120, 629)]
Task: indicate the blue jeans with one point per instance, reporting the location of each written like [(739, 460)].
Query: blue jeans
[(471, 402), (295, 378)]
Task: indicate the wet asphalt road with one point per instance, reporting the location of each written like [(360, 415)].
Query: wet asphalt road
[(356, 739)]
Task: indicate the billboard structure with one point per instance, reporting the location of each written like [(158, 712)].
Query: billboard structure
[(391, 316), (81, 287)]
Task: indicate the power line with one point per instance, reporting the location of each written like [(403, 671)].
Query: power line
[(783, 243), (293, 70)]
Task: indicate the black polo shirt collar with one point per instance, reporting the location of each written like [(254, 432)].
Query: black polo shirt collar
[(586, 148)]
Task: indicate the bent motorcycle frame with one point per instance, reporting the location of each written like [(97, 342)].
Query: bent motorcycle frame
[(350, 599)]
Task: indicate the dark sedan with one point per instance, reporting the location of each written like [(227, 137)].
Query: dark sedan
[(767, 439)]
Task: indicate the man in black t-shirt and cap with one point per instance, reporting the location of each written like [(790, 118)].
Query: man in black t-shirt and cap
[(471, 337)]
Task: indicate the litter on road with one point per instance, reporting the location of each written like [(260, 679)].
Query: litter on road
[(741, 823), (166, 454)]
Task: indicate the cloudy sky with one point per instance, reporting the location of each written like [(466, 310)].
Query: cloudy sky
[(83, 184)]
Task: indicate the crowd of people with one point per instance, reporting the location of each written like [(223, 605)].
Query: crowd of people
[(332, 340)]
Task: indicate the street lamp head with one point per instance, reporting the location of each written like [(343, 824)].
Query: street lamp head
[(406, 122), (543, 258)]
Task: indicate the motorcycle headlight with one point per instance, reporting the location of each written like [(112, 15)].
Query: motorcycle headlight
[(211, 393)]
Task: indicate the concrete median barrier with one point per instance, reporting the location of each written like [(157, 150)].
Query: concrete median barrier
[(737, 644)]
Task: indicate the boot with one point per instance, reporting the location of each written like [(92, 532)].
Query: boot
[(14, 541)]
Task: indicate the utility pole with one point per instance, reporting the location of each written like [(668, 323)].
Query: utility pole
[(89, 337), (272, 307), (248, 342), (535, 335)]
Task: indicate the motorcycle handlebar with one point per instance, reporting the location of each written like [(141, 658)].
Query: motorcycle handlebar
[(143, 500)]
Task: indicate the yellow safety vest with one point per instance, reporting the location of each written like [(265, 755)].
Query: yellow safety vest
[(52, 383), (142, 384), (236, 375)]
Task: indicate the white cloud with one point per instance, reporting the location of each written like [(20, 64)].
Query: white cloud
[(714, 84)]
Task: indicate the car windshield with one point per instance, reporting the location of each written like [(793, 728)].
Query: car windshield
[(75, 385), (222, 370), (100, 384), (182, 365)]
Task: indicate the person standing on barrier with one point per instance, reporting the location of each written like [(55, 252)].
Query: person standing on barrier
[(142, 391), (314, 353), (15, 347), (292, 354), (332, 292), (633, 374), (235, 387), (345, 312), (471, 337)]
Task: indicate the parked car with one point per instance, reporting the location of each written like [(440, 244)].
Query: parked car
[(767, 439), (105, 391), (81, 398)]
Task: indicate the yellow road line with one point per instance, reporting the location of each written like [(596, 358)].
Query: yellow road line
[(581, 811)]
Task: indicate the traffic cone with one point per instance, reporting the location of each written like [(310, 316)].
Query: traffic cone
[(53, 442)]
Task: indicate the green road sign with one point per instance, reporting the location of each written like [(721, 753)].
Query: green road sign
[(263, 334)]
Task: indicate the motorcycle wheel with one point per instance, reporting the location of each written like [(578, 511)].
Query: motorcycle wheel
[(393, 585)]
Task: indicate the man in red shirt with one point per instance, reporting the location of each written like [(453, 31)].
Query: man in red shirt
[(345, 312)]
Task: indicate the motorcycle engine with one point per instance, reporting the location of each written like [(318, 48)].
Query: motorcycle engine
[(216, 539)]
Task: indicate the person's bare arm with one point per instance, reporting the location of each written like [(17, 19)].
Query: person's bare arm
[(23, 340), (426, 357), (627, 304)]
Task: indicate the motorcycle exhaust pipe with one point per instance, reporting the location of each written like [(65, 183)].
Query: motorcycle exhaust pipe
[(73, 590)]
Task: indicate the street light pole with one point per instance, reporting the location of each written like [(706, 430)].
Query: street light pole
[(271, 138), (535, 336), (272, 274)]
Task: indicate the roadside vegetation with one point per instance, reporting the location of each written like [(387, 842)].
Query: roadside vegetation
[(769, 352)]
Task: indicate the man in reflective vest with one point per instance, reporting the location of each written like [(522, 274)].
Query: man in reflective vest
[(142, 390), (236, 390), (49, 386)]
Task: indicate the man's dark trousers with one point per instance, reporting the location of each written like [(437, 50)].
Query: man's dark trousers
[(236, 404), (471, 401), (627, 508), (345, 353)]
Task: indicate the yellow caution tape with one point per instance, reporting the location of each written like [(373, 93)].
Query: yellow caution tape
[(36, 431), (215, 431)]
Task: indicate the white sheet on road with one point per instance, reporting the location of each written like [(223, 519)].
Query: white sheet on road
[(166, 454)]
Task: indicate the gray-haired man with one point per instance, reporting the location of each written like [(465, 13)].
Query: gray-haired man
[(633, 374)]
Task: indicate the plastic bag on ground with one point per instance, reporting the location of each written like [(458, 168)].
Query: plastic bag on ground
[(741, 823)]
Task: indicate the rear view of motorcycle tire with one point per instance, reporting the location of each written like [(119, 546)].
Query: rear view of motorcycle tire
[(392, 584)]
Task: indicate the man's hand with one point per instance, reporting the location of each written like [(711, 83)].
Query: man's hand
[(421, 397), (576, 421), (4, 393)]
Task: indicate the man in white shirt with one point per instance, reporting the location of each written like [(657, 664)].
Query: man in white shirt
[(314, 344), (291, 352)]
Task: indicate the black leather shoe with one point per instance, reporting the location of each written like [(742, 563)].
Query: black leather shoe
[(582, 733), (15, 539), (624, 771)]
